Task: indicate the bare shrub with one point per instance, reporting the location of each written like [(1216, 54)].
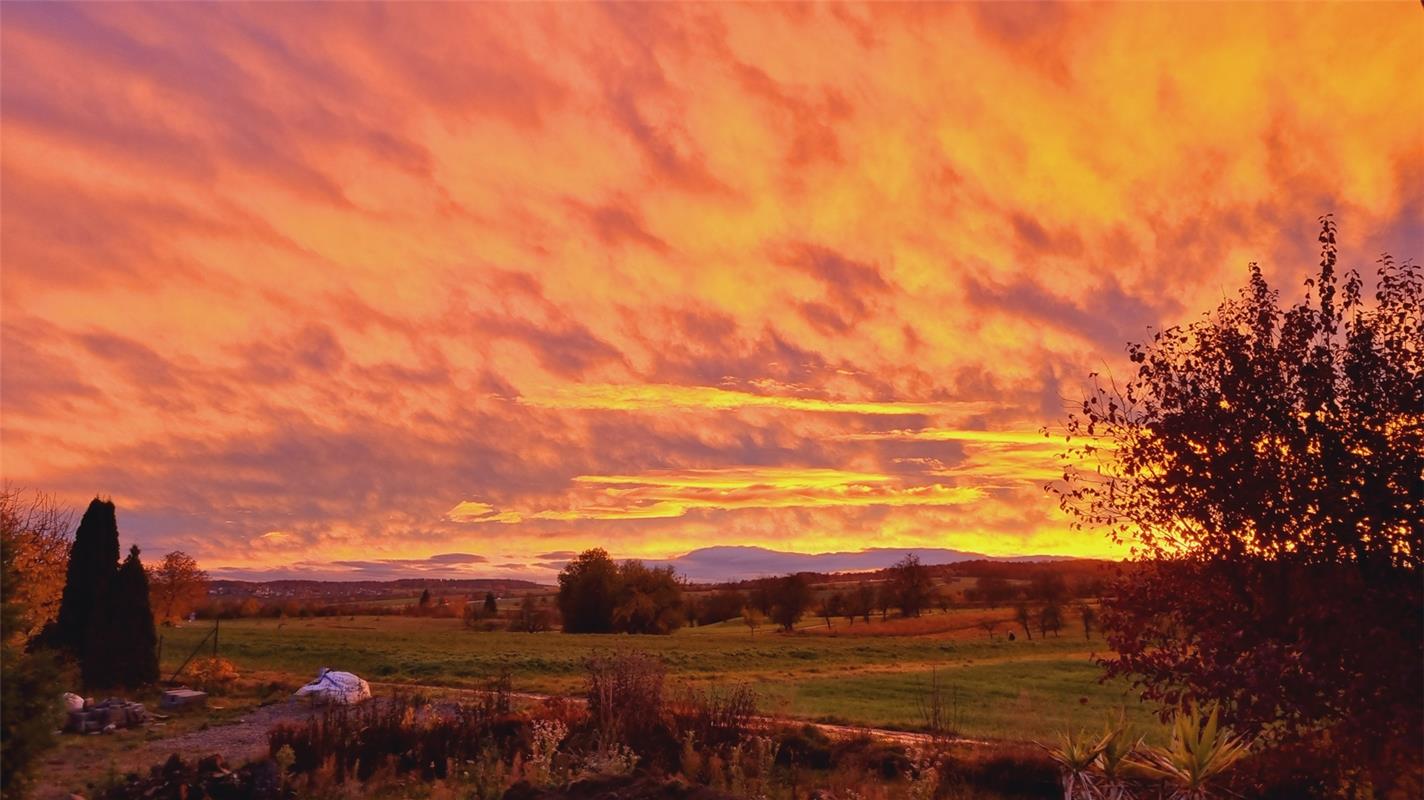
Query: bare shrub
[(939, 709), (625, 699), (715, 718)]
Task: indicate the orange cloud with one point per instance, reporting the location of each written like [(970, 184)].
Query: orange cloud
[(804, 276)]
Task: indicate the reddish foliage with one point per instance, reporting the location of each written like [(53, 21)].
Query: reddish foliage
[(1267, 466)]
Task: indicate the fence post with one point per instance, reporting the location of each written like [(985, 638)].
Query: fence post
[(217, 623)]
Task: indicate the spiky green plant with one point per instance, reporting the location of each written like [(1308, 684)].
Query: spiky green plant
[(1115, 759), (1076, 754), (1199, 757)]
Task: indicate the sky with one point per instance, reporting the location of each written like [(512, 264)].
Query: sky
[(340, 290)]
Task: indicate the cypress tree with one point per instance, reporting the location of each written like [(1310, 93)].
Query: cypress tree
[(122, 643), (93, 561)]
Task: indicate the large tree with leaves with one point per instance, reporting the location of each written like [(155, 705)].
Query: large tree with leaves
[(29, 691), (1266, 465), (178, 585)]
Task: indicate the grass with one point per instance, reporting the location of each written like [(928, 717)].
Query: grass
[(871, 674)]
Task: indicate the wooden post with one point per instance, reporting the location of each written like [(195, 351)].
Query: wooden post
[(217, 621)]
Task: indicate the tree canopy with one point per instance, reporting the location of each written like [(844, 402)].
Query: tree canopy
[(1265, 466), (178, 585), (910, 585), (598, 596)]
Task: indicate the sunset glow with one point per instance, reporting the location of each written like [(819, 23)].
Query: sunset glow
[(329, 289)]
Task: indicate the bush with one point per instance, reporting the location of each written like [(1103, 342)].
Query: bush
[(213, 675), (715, 718), (625, 703)]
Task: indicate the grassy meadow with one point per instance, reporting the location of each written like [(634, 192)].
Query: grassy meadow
[(868, 674)]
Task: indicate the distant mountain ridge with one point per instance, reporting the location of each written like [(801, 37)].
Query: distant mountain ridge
[(362, 590), (715, 564), (738, 562)]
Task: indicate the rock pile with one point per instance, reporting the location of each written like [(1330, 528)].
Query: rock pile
[(107, 715)]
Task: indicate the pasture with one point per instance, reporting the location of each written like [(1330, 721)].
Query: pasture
[(876, 674)]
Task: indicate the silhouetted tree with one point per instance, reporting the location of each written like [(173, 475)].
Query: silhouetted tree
[(1089, 617), (122, 646), (829, 606), (588, 586), (1265, 465), (1050, 618), (491, 609), (1021, 613), (93, 563), (884, 600), (790, 600), (863, 600), (909, 585)]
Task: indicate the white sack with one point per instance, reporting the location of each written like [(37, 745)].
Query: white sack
[(341, 688)]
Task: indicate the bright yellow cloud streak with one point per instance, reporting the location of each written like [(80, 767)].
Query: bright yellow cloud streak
[(666, 494), (952, 435), (742, 478), (654, 397)]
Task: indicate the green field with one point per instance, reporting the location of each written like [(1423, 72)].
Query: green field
[(1001, 689)]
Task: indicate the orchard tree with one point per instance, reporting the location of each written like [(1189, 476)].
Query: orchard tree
[(910, 586), (178, 585), (791, 598), (752, 617), (1089, 616), (1266, 466), (1025, 619)]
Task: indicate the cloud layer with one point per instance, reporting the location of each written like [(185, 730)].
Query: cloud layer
[(335, 284)]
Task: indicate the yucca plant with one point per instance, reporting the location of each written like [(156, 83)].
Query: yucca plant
[(1199, 757), (1115, 760), (1076, 754)]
